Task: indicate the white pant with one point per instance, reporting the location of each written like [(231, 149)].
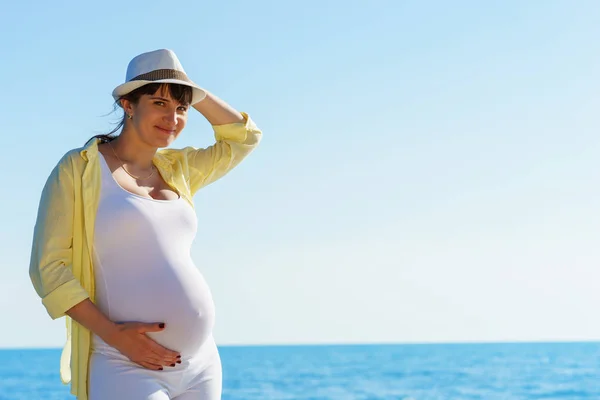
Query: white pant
[(114, 377)]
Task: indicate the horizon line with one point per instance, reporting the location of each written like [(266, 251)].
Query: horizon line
[(341, 344)]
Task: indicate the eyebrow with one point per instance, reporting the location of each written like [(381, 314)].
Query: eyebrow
[(160, 98), (166, 100)]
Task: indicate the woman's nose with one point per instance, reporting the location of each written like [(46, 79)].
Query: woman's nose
[(171, 117)]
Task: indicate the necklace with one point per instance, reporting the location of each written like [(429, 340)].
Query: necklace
[(124, 169)]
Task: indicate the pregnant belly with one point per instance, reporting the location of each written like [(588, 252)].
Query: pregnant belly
[(177, 295)]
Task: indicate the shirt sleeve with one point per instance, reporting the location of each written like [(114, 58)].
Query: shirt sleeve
[(233, 143), (51, 252)]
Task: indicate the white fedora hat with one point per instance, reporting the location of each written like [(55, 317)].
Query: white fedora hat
[(158, 66)]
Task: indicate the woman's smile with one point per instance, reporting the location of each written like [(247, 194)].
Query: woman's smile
[(166, 131)]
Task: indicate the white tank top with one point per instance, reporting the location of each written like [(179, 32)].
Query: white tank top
[(143, 268)]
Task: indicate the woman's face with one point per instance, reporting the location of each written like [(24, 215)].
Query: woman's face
[(158, 119)]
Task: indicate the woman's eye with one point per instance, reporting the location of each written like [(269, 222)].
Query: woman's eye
[(159, 103), (182, 108)]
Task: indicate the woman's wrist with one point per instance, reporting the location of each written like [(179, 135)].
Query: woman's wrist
[(108, 332), (89, 316)]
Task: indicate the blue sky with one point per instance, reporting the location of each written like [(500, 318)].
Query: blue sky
[(429, 169)]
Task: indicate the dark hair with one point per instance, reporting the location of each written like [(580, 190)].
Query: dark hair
[(180, 93)]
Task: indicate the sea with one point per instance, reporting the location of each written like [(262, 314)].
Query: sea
[(502, 371)]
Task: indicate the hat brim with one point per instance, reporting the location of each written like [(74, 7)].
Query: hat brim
[(198, 94)]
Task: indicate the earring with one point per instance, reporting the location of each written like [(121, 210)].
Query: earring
[(129, 116)]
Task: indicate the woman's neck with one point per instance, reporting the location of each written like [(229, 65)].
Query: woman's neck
[(132, 151)]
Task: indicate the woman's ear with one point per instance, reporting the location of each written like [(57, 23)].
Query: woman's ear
[(127, 106)]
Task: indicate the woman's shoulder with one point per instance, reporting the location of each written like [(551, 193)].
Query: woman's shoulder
[(74, 158)]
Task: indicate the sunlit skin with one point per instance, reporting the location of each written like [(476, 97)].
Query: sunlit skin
[(157, 120)]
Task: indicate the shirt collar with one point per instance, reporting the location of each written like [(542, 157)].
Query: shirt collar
[(90, 150)]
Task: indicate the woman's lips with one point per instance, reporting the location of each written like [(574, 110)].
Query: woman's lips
[(166, 131)]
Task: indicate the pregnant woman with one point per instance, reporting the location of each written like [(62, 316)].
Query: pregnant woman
[(111, 245)]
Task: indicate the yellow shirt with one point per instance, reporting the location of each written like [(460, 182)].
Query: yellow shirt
[(61, 267)]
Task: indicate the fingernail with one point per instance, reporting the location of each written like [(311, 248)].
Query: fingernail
[(172, 365), (178, 362), (160, 369), (161, 325), (178, 356)]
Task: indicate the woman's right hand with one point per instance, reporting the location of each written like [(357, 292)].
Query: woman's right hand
[(131, 340)]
